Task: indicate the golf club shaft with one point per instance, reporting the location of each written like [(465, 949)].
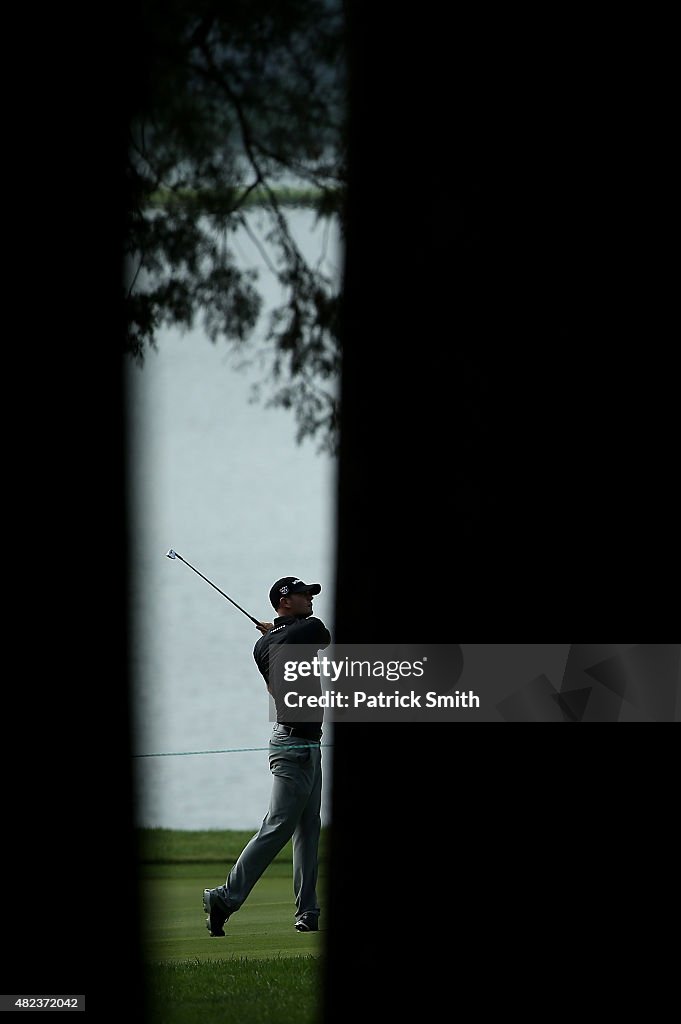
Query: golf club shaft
[(217, 588)]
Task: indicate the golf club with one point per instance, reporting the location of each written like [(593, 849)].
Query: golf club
[(174, 554)]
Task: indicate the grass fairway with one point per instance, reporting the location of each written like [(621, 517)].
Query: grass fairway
[(243, 991), (263, 970), (173, 919)]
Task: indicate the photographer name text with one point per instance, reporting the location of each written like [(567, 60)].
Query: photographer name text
[(359, 699)]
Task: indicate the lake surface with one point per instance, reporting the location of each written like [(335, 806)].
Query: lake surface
[(223, 482)]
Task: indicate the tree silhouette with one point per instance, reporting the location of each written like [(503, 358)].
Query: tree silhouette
[(242, 107)]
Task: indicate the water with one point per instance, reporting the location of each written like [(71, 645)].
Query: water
[(223, 482)]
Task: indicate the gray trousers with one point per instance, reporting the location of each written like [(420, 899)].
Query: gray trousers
[(294, 811)]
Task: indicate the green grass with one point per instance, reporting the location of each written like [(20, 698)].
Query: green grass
[(173, 921), (241, 990), (167, 846), (263, 970)]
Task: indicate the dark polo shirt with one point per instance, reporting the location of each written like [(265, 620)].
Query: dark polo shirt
[(310, 635)]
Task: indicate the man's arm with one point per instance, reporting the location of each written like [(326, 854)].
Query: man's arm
[(264, 627), (310, 631)]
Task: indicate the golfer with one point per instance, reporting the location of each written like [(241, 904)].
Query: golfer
[(295, 763)]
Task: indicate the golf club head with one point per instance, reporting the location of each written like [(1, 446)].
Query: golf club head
[(171, 554)]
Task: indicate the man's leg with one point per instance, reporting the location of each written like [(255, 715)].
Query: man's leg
[(293, 778), (306, 851)]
